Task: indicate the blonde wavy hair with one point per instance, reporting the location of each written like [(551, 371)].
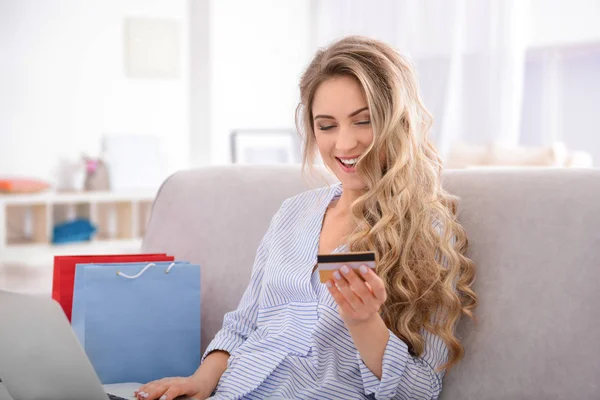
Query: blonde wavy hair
[(404, 215)]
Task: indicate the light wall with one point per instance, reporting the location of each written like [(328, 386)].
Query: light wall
[(258, 52), (560, 22), (63, 84)]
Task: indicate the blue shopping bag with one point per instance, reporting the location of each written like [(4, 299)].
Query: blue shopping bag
[(138, 322), (78, 308)]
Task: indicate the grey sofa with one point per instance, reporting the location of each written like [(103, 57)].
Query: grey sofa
[(534, 234)]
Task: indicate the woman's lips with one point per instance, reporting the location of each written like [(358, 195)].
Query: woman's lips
[(346, 168)]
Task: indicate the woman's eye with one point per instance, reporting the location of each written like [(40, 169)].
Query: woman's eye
[(365, 122), (326, 128)]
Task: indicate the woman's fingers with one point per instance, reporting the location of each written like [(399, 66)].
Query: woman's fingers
[(375, 284), (163, 389), (343, 304), (172, 393), (358, 285), (344, 287), (358, 296)]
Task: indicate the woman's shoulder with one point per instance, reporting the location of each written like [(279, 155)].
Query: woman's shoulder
[(311, 197), (308, 202)]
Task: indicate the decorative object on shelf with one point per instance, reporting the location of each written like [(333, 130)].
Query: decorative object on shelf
[(264, 146), (78, 230), (70, 174), (23, 185), (96, 177)]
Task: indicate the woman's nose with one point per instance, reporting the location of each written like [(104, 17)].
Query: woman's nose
[(346, 140)]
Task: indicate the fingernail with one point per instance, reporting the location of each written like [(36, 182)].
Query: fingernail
[(345, 270), (337, 275), (144, 394), (163, 397), (329, 284), (364, 269)]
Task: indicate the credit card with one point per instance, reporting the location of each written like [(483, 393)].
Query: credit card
[(327, 264)]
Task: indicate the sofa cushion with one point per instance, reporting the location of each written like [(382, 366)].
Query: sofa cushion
[(534, 238)]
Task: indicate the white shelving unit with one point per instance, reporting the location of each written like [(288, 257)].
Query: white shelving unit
[(120, 219)]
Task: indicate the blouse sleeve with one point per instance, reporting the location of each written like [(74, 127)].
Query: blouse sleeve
[(404, 376)]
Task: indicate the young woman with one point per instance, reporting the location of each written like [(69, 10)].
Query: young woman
[(391, 335)]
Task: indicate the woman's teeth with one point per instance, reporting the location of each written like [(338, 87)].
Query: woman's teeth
[(349, 163)]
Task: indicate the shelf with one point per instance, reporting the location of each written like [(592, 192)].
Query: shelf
[(77, 197), (27, 221)]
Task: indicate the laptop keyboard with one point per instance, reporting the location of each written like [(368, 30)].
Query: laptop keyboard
[(113, 397)]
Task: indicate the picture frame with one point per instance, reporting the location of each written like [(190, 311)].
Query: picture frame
[(264, 146), (153, 48)]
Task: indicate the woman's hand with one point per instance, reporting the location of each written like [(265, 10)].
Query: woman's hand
[(170, 388), (358, 300)]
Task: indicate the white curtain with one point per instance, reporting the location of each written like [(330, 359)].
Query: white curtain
[(469, 56)]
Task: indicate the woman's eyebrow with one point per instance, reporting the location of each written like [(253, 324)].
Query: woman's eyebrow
[(352, 114), (323, 116), (357, 111)]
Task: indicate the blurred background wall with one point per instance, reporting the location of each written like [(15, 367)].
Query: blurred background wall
[(190, 72)]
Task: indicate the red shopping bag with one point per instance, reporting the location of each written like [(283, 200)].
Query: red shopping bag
[(63, 276)]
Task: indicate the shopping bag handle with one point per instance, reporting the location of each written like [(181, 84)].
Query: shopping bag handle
[(144, 270)]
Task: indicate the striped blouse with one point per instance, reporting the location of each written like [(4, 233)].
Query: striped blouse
[(286, 338)]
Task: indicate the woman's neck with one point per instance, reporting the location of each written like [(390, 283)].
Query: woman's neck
[(341, 208)]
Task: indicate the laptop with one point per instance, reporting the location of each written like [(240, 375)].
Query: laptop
[(41, 358)]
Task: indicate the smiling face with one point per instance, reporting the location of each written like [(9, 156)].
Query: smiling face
[(342, 127)]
